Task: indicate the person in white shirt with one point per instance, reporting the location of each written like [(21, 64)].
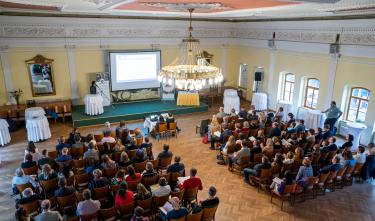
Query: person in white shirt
[(88, 206), (360, 157), (107, 137), (21, 178), (47, 214), (163, 190)]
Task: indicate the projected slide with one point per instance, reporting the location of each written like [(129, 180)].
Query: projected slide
[(134, 70)]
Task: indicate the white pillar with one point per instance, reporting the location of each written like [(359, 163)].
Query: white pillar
[(331, 80), (224, 60), (271, 74), (6, 70), (72, 73)]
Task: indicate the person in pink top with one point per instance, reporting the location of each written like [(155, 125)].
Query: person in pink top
[(124, 196)]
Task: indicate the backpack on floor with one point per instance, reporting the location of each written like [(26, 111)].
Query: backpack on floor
[(205, 139)]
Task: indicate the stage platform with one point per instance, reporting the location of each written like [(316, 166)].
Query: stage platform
[(131, 111)]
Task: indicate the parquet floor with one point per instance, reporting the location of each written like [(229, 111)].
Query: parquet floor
[(239, 201)]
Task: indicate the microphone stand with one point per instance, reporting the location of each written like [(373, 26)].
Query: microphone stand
[(104, 95)]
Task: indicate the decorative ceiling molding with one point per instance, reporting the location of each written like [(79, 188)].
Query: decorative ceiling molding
[(355, 32)]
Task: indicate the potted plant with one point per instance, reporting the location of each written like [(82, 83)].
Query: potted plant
[(16, 95)]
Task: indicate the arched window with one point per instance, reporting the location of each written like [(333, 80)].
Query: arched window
[(312, 93), (288, 88), (358, 104)]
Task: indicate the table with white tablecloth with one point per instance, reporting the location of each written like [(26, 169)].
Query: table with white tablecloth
[(356, 130), (259, 101), (231, 100), (94, 104), (38, 129), (185, 98), (287, 108), (314, 119), (34, 112), (4, 132)]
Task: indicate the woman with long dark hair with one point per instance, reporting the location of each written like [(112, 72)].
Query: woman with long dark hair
[(123, 196)]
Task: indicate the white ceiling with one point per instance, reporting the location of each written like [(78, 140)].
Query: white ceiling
[(296, 9)]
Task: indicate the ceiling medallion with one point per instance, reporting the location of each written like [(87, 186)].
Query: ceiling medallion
[(187, 71), (200, 7)]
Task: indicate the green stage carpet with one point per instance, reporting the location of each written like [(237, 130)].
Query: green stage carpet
[(131, 111)]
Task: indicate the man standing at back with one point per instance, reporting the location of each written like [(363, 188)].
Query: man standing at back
[(333, 113)]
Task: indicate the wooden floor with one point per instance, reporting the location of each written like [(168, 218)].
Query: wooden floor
[(239, 201)]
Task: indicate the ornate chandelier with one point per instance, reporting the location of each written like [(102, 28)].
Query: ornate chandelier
[(186, 71)]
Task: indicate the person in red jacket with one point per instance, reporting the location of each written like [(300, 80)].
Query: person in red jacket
[(192, 182)]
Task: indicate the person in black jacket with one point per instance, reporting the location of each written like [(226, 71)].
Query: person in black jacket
[(47, 160), (63, 190), (212, 200), (28, 196), (275, 131)]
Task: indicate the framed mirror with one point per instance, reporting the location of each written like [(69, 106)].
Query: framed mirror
[(41, 76)]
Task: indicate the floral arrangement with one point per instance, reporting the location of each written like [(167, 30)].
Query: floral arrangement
[(16, 95)]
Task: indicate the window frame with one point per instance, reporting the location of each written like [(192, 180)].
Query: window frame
[(359, 103), (290, 87), (312, 88)]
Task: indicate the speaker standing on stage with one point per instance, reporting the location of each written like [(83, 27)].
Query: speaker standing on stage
[(333, 113), (93, 88)]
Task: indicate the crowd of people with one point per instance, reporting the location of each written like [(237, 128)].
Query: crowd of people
[(126, 186), (262, 140)]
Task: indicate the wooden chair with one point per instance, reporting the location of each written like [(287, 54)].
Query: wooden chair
[(78, 166), (195, 217), (108, 214), (139, 141), (319, 186), (31, 171), (21, 187), (164, 163), (310, 183), (159, 201), (330, 182), (53, 154), (117, 156), (101, 193), (173, 177), (89, 217), (49, 186), (98, 137), (77, 152), (140, 167), (67, 110), (59, 110), (110, 172), (155, 163), (30, 209), (131, 153), (339, 180), (146, 205), (148, 181), (81, 181), (172, 128), (244, 162), (264, 178), (162, 130), (179, 194), (79, 196), (257, 159), (357, 171), (179, 219), (286, 196), (208, 214), (132, 185), (53, 201), (67, 203), (348, 175), (190, 195), (126, 211)]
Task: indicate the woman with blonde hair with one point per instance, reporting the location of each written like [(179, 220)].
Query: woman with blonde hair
[(305, 171), (142, 192), (137, 133), (124, 160), (214, 128), (107, 163)]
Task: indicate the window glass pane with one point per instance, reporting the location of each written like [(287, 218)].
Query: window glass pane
[(313, 83), (364, 93), (361, 116), (309, 102), (352, 115), (316, 94), (290, 77), (355, 92), (287, 86), (315, 102), (363, 107), (286, 96), (292, 88), (354, 102)]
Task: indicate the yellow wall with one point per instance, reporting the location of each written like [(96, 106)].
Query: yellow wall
[(20, 74), (3, 92)]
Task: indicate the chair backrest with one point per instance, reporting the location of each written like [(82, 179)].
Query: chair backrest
[(172, 126), (131, 153), (22, 187), (108, 214), (311, 181), (178, 219), (81, 180), (139, 141), (49, 185), (265, 173), (139, 167), (191, 193), (258, 157), (78, 164), (52, 154), (101, 193), (349, 170), (98, 137), (77, 152), (132, 185), (245, 160), (89, 217), (162, 127), (155, 163), (165, 162), (315, 158), (31, 171), (358, 167), (126, 209), (110, 172), (148, 181), (323, 177), (179, 194), (160, 200), (209, 213), (117, 156), (145, 204), (331, 176), (195, 217), (66, 201), (173, 177), (289, 189), (30, 208), (341, 172)]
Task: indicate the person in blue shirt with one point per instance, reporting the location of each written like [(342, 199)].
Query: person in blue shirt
[(177, 167), (64, 156), (335, 166), (61, 144), (327, 132), (333, 113), (177, 211), (348, 159)]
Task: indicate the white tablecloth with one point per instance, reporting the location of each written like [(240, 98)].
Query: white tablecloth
[(38, 129), (4, 132), (314, 119), (149, 125), (93, 104), (259, 101), (34, 112), (287, 106), (231, 100), (356, 130)]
